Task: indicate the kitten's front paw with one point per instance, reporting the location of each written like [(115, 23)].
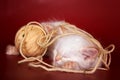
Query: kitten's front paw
[(71, 65)]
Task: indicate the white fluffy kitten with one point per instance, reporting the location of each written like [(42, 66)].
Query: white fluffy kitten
[(71, 51)]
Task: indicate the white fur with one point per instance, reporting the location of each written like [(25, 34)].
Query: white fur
[(69, 47)]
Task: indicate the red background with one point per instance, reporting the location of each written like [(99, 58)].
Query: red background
[(101, 18)]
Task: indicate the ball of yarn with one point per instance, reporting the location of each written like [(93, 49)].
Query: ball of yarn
[(26, 39)]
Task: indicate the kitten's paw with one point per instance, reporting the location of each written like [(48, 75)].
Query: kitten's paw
[(71, 65)]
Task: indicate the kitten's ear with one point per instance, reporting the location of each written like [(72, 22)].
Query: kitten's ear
[(60, 30), (89, 53), (47, 28)]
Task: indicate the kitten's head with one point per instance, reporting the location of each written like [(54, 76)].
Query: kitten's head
[(86, 58)]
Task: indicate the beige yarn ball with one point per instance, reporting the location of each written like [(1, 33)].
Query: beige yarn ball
[(26, 39)]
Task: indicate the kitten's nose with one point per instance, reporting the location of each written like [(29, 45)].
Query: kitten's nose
[(58, 57)]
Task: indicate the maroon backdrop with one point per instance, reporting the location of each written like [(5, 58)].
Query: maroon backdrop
[(101, 18)]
